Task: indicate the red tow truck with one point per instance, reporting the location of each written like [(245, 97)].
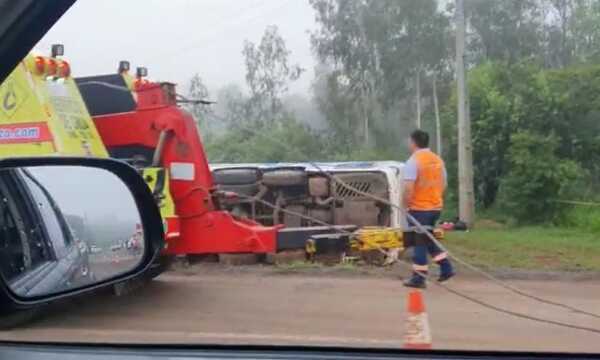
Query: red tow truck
[(140, 121)]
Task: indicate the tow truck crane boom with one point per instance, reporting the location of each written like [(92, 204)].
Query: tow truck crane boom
[(147, 126)]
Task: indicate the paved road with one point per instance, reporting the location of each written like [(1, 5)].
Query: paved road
[(104, 268), (263, 308)]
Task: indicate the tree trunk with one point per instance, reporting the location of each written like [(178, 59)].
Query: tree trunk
[(418, 96), (436, 109), (466, 196)]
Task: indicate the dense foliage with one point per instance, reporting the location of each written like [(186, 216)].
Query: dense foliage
[(535, 136), (533, 94)]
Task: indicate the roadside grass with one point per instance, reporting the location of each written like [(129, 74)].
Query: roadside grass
[(528, 248), (494, 246), (304, 266), (298, 266)]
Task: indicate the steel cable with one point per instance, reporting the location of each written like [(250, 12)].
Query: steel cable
[(431, 237), (442, 285), (420, 227)]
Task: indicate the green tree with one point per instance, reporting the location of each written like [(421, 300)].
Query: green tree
[(537, 178), (291, 141), (268, 74), (197, 90), (511, 30), (573, 32), (509, 99), (231, 107), (336, 102), (377, 51), (557, 33)]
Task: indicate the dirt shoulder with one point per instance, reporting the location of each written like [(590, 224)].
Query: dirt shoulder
[(257, 305), (397, 271)]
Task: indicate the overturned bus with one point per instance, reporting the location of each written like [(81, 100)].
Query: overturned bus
[(303, 195)]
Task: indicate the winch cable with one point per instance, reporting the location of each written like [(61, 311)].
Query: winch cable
[(418, 225), (422, 229), (306, 217), (442, 285)]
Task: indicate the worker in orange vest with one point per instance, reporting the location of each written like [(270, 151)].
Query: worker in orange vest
[(424, 186)]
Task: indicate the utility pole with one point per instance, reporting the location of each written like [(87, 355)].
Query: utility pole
[(466, 197), (365, 119), (365, 81), (418, 94), (436, 109)]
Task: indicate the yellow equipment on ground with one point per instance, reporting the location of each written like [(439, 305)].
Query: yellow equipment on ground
[(374, 238)]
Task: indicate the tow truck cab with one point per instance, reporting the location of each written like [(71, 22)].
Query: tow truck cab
[(43, 113), (140, 121)]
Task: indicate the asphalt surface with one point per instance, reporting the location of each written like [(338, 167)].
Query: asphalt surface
[(264, 307), (105, 267)]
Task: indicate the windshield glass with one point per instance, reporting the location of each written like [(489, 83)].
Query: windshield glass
[(362, 173)]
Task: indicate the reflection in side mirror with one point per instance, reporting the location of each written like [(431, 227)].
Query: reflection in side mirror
[(65, 227)]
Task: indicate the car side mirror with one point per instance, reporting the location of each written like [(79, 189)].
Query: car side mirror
[(72, 225)]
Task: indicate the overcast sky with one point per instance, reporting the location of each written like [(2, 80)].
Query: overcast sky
[(110, 196), (177, 38)]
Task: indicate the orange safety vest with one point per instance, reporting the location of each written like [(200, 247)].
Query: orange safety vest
[(429, 187)]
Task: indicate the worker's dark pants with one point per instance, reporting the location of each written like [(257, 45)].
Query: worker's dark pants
[(423, 245)]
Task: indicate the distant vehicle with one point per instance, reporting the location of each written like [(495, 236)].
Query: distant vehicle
[(134, 243), (95, 249), (83, 247), (116, 247)]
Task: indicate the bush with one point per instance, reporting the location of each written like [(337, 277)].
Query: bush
[(284, 141), (581, 217), (537, 178)]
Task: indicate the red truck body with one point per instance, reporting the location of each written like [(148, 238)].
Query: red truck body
[(204, 229)]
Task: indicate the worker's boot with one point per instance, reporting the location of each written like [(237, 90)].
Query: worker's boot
[(440, 257), (416, 281), (419, 275), (446, 276), (446, 270)]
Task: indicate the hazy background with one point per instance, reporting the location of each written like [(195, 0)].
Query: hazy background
[(96, 203), (177, 38), (374, 71)]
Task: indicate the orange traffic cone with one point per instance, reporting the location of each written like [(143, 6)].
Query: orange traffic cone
[(418, 334)]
